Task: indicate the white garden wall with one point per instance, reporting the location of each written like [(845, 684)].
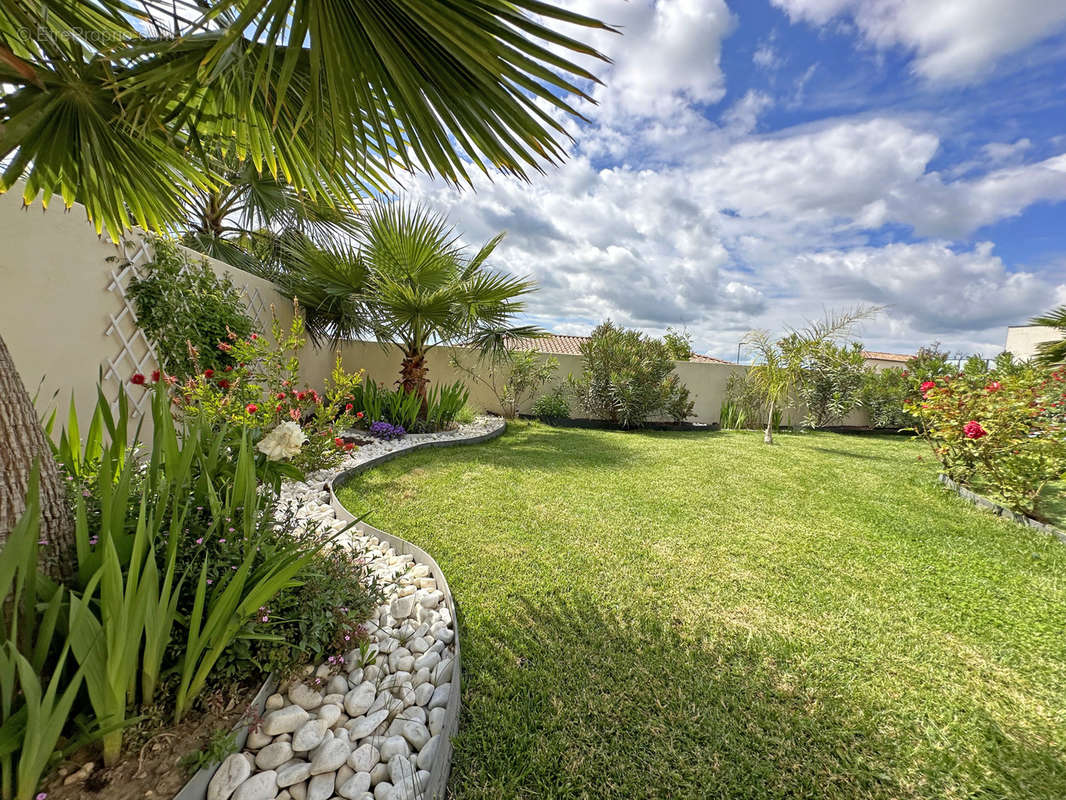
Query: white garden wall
[(64, 316)]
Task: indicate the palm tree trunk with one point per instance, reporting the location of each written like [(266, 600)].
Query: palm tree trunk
[(413, 371), (768, 435), (21, 441)]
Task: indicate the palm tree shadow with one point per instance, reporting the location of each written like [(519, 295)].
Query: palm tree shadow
[(596, 703)]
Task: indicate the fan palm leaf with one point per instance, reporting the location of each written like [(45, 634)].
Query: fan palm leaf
[(330, 97), (1053, 353)]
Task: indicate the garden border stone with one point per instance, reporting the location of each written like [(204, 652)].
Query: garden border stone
[(196, 788), (983, 502), (436, 788)]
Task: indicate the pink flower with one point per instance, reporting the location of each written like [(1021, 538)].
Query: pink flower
[(973, 430), (294, 413), (224, 347)]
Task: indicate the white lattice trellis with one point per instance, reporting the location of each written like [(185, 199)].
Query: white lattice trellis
[(134, 353)]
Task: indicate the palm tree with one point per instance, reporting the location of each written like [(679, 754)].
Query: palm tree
[(138, 110), (1051, 354), (407, 280), (780, 363)]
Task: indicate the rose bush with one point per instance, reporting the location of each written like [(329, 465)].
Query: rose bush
[(1001, 434), (290, 422)]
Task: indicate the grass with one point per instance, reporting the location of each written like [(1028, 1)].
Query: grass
[(675, 615)]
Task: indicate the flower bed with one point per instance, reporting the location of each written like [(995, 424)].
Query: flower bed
[(378, 717)]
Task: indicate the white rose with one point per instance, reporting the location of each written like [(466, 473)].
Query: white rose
[(283, 442)]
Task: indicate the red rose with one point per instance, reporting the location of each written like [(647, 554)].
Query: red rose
[(155, 376), (137, 379), (359, 415), (349, 407), (223, 384), (973, 430), (208, 373), (251, 408), (995, 386), (277, 408), (349, 446), (339, 442), (301, 395), (280, 396), (927, 385), (229, 368), (255, 336)]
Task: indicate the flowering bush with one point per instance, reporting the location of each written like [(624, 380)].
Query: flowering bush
[(1001, 433), (291, 422)]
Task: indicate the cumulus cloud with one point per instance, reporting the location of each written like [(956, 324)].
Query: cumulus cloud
[(929, 286), (953, 41), (668, 56), (701, 221)]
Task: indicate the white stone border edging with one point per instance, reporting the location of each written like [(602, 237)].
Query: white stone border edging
[(983, 502), (311, 497), (436, 787)]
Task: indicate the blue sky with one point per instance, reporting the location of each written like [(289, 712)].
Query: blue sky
[(754, 165)]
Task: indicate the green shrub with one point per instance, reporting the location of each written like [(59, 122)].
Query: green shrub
[(884, 395), (679, 344), (829, 381), (443, 404), (553, 404), (628, 378), (466, 415), (181, 304)]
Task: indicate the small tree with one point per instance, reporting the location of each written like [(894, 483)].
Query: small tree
[(628, 377), (512, 376), (779, 368)]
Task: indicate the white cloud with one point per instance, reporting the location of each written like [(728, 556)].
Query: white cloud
[(952, 40), (667, 58), (930, 287), (955, 209)]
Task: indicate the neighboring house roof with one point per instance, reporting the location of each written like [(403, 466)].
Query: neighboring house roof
[(557, 345), (874, 355)]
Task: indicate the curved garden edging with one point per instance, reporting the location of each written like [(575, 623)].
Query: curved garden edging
[(438, 780), (983, 502), (311, 501)]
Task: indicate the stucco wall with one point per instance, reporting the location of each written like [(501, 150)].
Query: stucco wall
[(1023, 339), (55, 309)]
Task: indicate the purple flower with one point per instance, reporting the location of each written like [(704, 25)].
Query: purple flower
[(200, 540)]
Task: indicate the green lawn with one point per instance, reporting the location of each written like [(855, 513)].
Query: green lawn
[(699, 616)]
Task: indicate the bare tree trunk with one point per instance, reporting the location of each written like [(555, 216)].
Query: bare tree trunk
[(21, 441), (768, 436)]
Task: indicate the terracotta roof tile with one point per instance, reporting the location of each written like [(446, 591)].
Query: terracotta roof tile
[(885, 356), (558, 345)]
